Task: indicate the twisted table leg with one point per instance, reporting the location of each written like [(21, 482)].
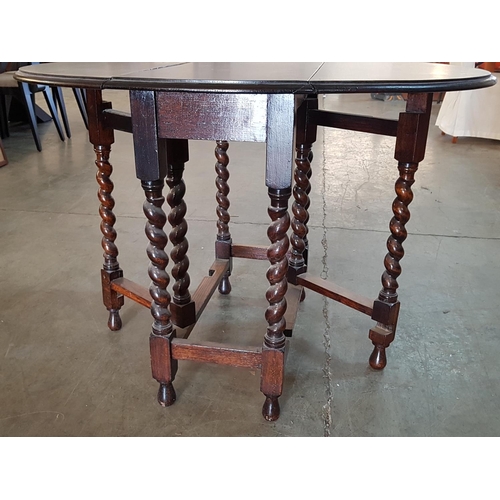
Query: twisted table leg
[(305, 131), (299, 207), (305, 253), (411, 140), (164, 367), (388, 295), (223, 243), (102, 137), (273, 351), (182, 307), (111, 269)]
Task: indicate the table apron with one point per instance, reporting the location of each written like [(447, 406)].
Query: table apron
[(229, 117)]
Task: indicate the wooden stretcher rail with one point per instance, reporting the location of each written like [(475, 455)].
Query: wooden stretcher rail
[(356, 123), (293, 296), (132, 290), (221, 354), (201, 296), (118, 120), (209, 284), (256, 252), (335, 292)]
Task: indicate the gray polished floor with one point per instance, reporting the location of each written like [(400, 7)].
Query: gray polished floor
[(63, 373)]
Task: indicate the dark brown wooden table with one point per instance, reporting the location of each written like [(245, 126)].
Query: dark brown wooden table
[(274, 103)]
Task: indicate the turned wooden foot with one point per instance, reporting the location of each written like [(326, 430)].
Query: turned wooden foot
[(271, 409), (225, 286), (382, 337), (378, 359), (166, 395), (303, 295), (114, 321)]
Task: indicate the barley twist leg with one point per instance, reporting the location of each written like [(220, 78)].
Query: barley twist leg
[(273, 350), (111, 268), (163, 366), (223, 243)]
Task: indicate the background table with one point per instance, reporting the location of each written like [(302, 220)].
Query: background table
[(275, 103)]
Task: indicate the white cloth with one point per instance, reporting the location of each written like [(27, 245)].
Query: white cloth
[(471, 113)]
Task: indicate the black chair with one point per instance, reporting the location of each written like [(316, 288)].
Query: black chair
[(25, 93), (81, 101)]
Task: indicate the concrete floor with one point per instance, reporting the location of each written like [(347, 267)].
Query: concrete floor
[(63, 373)]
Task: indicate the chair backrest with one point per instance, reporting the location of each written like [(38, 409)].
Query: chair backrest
[(13, 66)]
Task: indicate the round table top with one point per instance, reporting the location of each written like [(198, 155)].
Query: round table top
[(267, 77)]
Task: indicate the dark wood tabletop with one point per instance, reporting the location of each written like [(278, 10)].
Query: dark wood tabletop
[(276, 103), (266, 77)]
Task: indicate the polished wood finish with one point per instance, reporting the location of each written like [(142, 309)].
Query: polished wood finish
[(117, 120), (224, 242), (150, 151), (132, 290), (305, 136), (279, 140), (164, 367), (221, 354), (335, 292), (209, 284), (411, 140), (102, 138), (232, 117), (256, 252), (276, 274), (182, 307), (367, 124), (294, 296), (264, 78), (273, 350), (275, 103)]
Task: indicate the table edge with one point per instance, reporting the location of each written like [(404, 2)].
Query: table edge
[(255, 87)]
